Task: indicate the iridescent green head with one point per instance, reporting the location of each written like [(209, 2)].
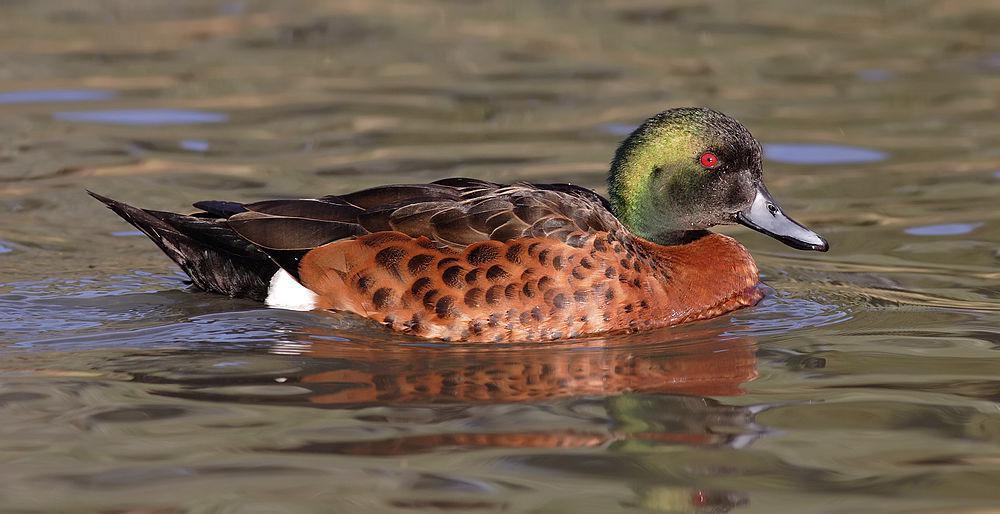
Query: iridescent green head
[(688, 169)]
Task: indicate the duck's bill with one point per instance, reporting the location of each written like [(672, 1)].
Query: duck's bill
[(766, 217)]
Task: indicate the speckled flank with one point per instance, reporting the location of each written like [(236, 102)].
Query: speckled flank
[(529, 288)]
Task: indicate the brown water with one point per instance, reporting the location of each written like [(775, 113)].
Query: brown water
[(866, 382)]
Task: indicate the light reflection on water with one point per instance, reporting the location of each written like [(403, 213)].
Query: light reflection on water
[(788, 153), (55, 96), (142, 117), (865, 381)]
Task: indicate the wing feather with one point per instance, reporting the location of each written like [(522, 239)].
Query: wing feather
[(453, 212)]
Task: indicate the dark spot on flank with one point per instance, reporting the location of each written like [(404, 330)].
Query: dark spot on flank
[(644, 304), (382, 299), (527, 274), (528, 289), (430, 297), (581, 296), (544, 283), (420, 284), (474, 297), (636, 266), (389, 259), (599, 244), (483, 253), (493, 320), (575, 240), (618, 248), (558, 262), (472, 276), (419, 263), (609, 295), (559, 301), (627, 308), (414, 323), (578, 272), (610, 272), (533, 248), (624, 263), (445, 307), (476, 327), (510, 291), (514, 253), (453, 277), (587, 263), (550, 296), (494, 295), (496, 273), (509, 315), (536, 313), (525, 318), (389, 319), (543, 257), (636, 282), (447, 261), (365, 282)]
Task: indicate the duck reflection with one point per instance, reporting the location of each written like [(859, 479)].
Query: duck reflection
[(408, 375), (656, 391), (634, 399)]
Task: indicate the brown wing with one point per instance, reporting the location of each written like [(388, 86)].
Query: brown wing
[(452, 213)]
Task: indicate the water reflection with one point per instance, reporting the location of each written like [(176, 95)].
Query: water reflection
[(805, 153), (142, 117), (55, 95), (946, 229)]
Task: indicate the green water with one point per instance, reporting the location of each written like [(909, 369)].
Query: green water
[(867, 381)]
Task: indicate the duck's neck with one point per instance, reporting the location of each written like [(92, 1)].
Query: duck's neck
[(641, 185)]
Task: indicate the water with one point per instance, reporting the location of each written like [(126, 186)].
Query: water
[(867, 381)]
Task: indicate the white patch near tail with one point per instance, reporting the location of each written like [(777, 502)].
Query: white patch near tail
[(287, 293)]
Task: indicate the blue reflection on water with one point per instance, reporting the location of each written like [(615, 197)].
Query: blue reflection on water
[(947, 229), (55, 95), (780, 313), (142, 116), (4, 248), (618, 129), (810, 153), (194, 145)]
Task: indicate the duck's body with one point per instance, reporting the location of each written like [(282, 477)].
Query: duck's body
[(464, 259)]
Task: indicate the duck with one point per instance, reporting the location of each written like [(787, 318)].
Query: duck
[(464, 259)]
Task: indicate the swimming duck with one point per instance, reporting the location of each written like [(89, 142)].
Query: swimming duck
[(465, 259)]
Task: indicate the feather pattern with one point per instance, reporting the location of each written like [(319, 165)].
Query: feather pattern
[(453, 213)]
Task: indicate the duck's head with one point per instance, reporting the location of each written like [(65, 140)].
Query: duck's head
[(689, 169)]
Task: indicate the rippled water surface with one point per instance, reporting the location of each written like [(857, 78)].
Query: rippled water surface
[(867, 381)]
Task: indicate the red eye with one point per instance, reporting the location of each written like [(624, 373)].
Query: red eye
[(709, 160)]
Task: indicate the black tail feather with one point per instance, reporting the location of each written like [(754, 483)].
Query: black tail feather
[(214, 256)]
